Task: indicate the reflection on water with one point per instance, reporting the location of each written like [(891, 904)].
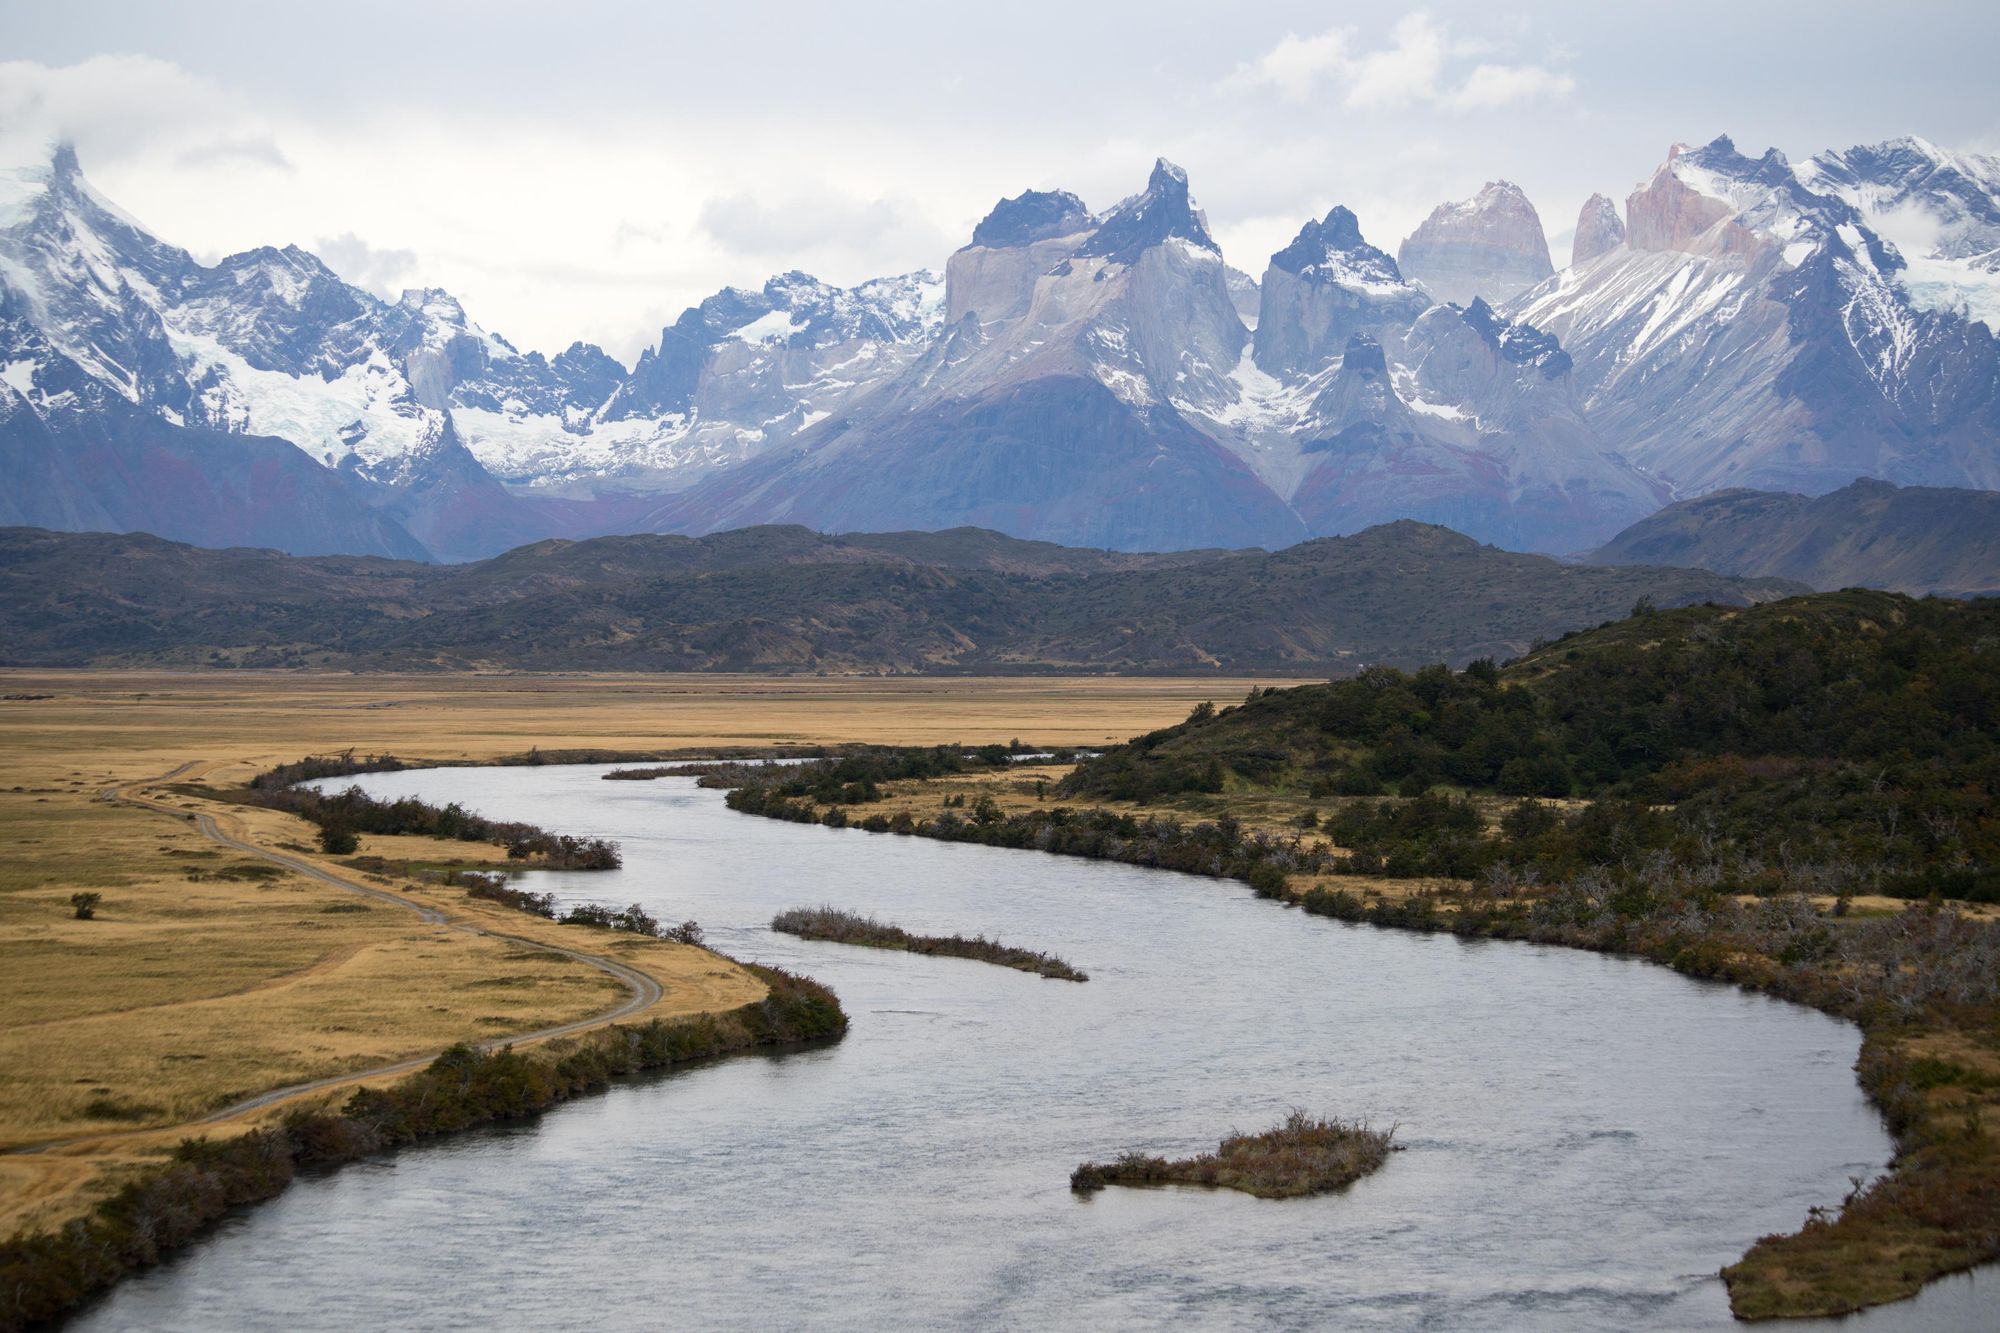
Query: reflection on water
[(1588, 1139)]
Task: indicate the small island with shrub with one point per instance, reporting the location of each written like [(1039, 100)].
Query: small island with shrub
[(830, 923), (1303, 1155)]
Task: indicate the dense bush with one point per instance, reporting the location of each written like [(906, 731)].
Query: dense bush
[(1852, 738), (342, 815), (634, 918), (830, 923), (1303, 1155), (1219, 848), (325, 766), (855, 779), (494, 888)]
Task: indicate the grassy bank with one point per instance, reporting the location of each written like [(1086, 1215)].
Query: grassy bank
[(1303, 1155), (830, 923), (45, 1277)]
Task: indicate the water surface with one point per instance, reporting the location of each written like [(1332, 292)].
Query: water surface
[(1587, 1138)]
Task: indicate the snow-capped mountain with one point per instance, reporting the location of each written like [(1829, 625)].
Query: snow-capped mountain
[(742, 371), (1754, 330), (1940, 210), (1053, 403), (1358, 401), (418, 408), (1093, 378), (1368, 401), (78, 455), (1490, 246)]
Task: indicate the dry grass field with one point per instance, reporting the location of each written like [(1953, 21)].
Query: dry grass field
[(209, 975)]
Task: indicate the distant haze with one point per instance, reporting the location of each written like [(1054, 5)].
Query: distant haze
[(588, 170)]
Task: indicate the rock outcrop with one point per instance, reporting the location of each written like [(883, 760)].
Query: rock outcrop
[(1491, 246), (1326, 286), (1599, 229)]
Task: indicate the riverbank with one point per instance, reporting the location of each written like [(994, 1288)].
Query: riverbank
[(47, 1276), (1930, 1062)]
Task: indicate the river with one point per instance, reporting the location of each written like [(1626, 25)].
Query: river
[(1586, 1139)]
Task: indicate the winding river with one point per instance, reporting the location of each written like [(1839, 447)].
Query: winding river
[(1587, 1138)]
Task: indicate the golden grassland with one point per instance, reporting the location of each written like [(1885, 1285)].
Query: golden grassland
[(209, 975)]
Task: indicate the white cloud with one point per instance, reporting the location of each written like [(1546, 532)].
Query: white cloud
[(121, 106), (1411, 69), (1296, 65), (780, 229), (246, 150), (1402, 73), (382, 271), (1491, 86)]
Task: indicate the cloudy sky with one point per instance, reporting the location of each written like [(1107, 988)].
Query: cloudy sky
[(587, 170)]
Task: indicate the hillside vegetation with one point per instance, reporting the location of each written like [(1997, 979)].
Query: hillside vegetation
[(787, 599), (1856, 733)]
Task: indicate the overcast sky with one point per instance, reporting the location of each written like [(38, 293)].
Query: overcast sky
[(587, 170)]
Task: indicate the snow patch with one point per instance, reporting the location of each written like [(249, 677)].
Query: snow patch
[(778, 326), (20, 377)]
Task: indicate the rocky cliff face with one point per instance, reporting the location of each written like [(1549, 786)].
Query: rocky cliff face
[(1599, 230), (1473, 424), (1326, 286), (1489, 246)]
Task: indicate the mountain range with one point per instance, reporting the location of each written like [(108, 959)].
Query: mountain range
[(786, 599), (1870, 534), (1092, 378)]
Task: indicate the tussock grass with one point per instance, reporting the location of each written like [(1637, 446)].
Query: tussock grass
[(1302, 1155), (830, 923)]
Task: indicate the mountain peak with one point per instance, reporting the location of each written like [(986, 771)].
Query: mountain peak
[(1030, 216), (1165, 211), (1522, 344), (428, 300), (1364, 357), (1333, 250), (1490, 245), (1598, 229)]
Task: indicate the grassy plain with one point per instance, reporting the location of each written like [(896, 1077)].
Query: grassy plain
[(209, 975)]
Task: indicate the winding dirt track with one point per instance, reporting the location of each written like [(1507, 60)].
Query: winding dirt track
[(645, 992)]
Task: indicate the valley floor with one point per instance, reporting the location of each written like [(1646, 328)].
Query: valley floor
[(212, 974)]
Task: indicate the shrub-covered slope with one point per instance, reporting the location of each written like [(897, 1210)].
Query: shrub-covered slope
[(788, 599), (1857, 730)]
